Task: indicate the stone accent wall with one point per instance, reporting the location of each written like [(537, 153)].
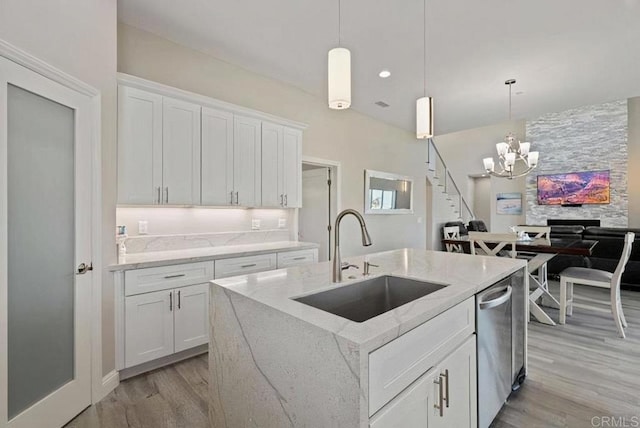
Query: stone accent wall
[(583, 139)]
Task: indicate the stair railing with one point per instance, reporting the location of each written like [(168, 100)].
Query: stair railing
[(436, 164)]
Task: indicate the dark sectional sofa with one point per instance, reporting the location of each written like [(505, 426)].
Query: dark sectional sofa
[(606, 253)]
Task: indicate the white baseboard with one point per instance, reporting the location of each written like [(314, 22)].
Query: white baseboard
[(109, 382)]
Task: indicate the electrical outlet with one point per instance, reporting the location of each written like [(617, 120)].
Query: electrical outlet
[(143, 227), (255, 224), (282, 223)]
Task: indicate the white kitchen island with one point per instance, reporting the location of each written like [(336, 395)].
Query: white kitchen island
[(276, 362)]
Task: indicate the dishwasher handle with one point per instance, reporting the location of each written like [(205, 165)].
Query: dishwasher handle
[(489, 304)]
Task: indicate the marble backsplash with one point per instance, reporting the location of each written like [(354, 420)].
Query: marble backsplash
[(148, 243)]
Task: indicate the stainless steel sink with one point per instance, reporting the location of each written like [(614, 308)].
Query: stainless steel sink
[(364, 300)]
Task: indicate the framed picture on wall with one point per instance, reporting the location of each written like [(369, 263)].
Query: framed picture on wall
[(509, 203)]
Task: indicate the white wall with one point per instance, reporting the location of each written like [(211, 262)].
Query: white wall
[(463, 153), (78, 37), (357, 141)]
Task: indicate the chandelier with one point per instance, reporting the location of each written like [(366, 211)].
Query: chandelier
[(514, 157)]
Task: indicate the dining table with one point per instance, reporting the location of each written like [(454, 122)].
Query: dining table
[(537, 252)]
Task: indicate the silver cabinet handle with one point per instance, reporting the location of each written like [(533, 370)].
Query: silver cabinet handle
[(440, 404), (179, 300), (231, 193), (488, 304), (299, 258), (237, 199), (286, 202), (166, 195), (446, 386), (170, 301), (248, 266), (159, 201), (281, 200), (178, 275)]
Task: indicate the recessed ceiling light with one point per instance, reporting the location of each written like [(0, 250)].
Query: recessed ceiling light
[(384, 74)]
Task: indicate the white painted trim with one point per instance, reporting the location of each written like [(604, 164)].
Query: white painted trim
[(109, 382), (27, 60), (46, 70), (169, 91), (337, 165)]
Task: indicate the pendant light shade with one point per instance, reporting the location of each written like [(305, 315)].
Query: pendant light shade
[(424, 117), (339, 78)]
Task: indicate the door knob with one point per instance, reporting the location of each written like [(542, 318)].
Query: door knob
[(84, 268)]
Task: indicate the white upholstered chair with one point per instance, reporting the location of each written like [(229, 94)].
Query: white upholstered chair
[(452, 232), (597, 278), (501, 242)]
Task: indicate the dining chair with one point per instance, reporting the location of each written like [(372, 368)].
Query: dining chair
[(501, 240), (597, 278), (537, 233), (452, 232)]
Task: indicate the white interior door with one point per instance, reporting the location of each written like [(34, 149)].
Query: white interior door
[(313, 218), (45, 234)]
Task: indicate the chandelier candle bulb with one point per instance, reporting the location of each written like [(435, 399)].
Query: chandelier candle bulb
[(524, 148), (488, 164), (510, 159), (533, 159), (502, 149)]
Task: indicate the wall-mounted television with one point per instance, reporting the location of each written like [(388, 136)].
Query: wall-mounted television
[(574, 188)]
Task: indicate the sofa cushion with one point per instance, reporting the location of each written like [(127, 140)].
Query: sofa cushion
[(609, 231)]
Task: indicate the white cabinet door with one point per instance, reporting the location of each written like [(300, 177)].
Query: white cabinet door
[(272, 178), (246, 161), (191, 316), (180, 152), (411, 409), (458, 374), (148, 327), (139, 146), (292, 167), (217, 157)]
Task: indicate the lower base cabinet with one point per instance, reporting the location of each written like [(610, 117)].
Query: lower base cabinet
[(164, 322), (444, 397)]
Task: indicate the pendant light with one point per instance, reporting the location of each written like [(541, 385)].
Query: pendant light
[(339, 73), (424, 105)]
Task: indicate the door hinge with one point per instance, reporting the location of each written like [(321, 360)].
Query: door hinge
[(328, 182), (329, 228)]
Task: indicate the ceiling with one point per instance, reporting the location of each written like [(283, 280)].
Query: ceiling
[(563, 53)]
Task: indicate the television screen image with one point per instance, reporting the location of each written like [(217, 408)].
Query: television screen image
[(589, 187)]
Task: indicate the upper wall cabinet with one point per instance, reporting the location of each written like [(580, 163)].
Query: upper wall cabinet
[(247, 152), (281, 166), (139, 147), (180, 152), (158, 149), (217, 158), (178, 148)]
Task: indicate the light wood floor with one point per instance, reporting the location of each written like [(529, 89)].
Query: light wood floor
[(577, 372)]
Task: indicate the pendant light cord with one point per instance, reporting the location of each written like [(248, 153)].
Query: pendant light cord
[(510, 101), (339, 23), (424, 42)]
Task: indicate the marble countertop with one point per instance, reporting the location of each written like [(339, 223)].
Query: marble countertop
[(164, 258), (465, 275)]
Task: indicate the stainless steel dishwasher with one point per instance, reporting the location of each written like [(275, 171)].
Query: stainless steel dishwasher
[(500, 323)]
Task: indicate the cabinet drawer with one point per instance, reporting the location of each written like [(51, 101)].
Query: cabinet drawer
[(245, 265), (166, 277), (400, 362), (294, 258)]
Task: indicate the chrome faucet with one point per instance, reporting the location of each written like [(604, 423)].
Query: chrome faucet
[(366, 241)]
